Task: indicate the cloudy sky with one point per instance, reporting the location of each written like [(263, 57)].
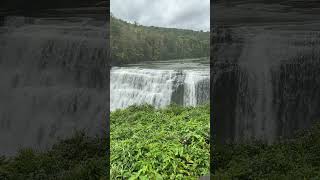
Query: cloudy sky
[(186, 14)]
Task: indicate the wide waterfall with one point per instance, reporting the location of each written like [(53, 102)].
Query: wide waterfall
[(53, 80), (159, 86), (266, 83)]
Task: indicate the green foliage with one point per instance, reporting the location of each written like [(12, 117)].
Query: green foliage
[(80, 157), (169, 143), (147, 144), (131, 43), (298, 158)]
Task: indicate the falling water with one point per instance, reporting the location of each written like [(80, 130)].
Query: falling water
[(271, 89), (196, 87), (259, 120), (52, 77), (158, 86)]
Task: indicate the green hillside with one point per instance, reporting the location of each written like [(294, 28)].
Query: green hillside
[(131, 43)]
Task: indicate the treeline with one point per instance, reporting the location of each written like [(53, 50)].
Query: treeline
[(131, 43)]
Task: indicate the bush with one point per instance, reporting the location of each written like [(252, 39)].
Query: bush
[(79, 157), (297, 158)]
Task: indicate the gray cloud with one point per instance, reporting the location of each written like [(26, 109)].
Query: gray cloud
[(186, 14)]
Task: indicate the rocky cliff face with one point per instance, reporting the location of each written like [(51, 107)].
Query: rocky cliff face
[(54, 80)]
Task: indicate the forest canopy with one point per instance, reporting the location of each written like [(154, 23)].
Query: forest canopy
[(132, 42)]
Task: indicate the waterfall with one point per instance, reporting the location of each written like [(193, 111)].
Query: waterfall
[(270, 88), (196, 87), (53, 80), (259, 119), (158, 87)]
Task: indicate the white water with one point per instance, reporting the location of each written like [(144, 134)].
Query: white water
[(158, 86), (196, 87), (49, 74), (256, 61), (266, 104)]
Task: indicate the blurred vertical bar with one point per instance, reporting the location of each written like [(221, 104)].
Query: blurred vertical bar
[(212, 122), (108, 89), (54, 63)]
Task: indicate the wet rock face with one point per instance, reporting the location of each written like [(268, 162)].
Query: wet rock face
[(268, 90), (202, 87), (177, 95), (54, 80)]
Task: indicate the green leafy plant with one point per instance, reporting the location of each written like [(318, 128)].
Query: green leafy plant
[(169, 143)]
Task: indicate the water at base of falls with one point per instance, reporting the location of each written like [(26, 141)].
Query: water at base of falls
[(158, 86)]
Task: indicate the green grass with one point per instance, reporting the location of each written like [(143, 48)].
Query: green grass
[(169, 143)]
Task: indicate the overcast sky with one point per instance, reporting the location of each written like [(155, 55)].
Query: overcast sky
[(186, 14)]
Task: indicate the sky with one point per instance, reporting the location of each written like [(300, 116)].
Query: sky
[(184, 14)]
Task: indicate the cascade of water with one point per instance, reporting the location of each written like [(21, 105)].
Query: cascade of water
[(196, 87), (259, 120), (137, 86), (157, 87), (50, 73), (269, 101)]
